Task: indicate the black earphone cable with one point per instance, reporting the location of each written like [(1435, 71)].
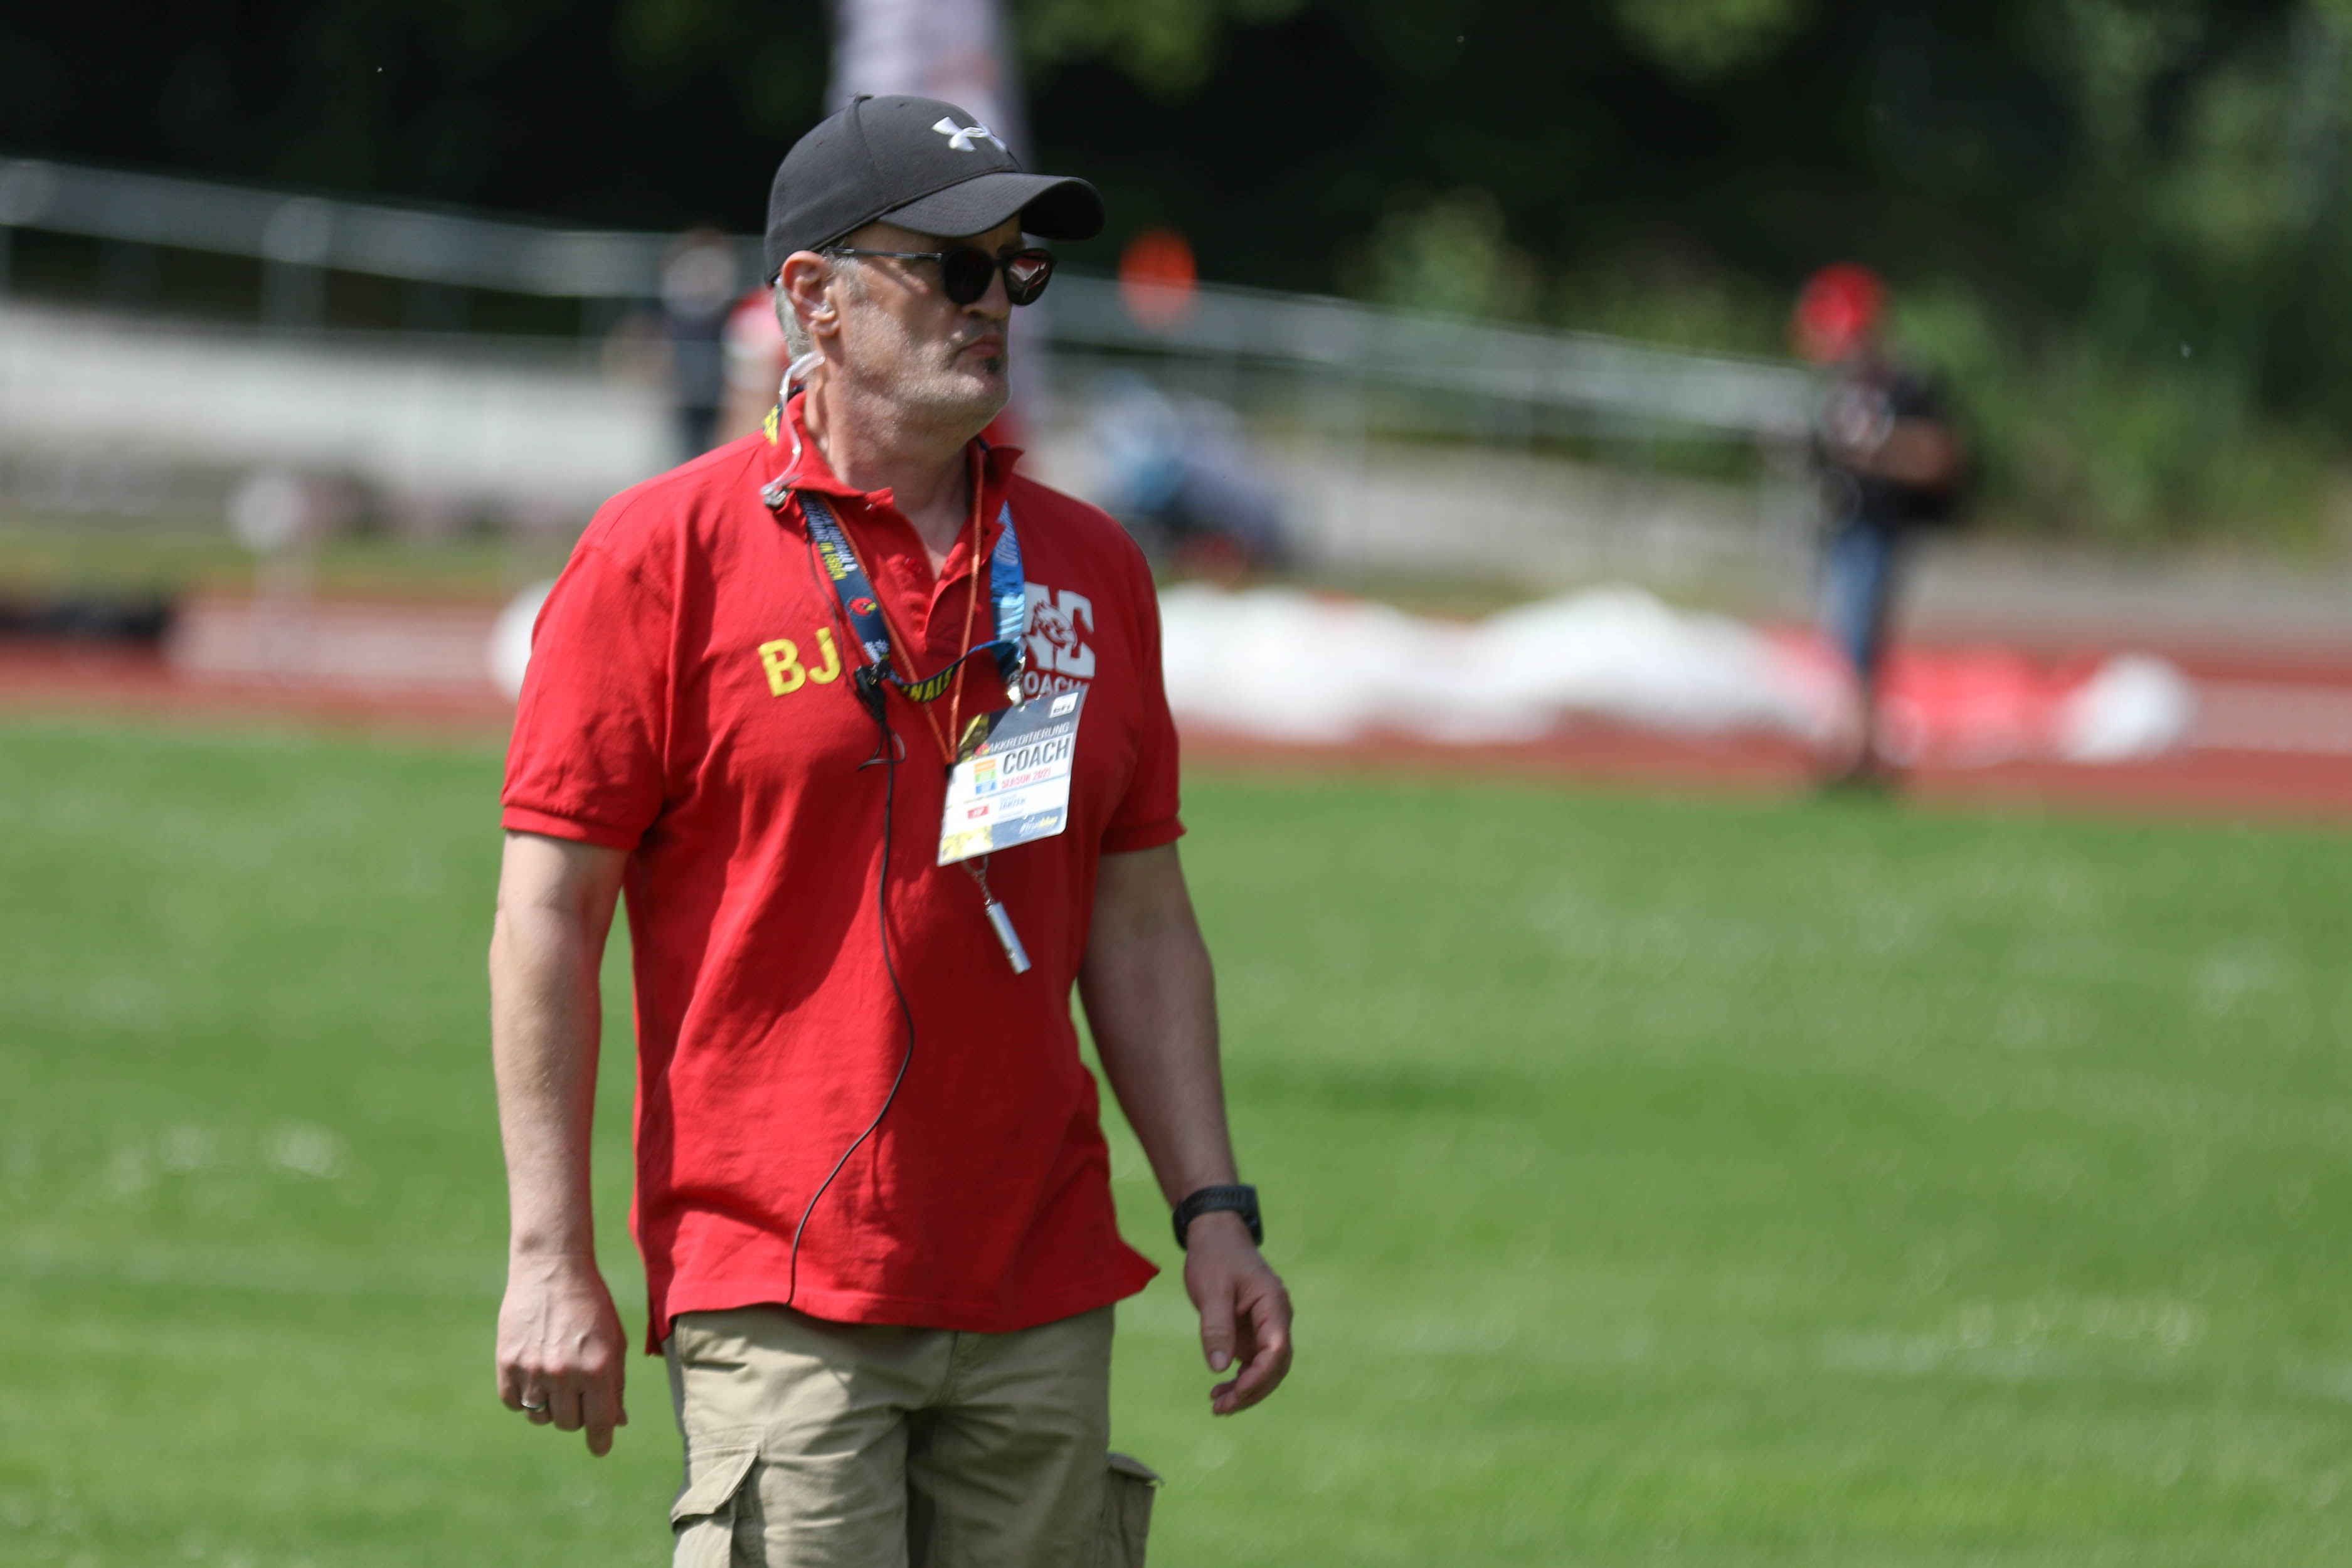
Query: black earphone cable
[(888, 754)]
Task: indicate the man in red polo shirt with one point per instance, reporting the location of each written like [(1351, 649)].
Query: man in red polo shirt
[(768, 701)]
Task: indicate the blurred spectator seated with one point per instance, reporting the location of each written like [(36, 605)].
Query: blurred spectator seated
[(1177, 472)]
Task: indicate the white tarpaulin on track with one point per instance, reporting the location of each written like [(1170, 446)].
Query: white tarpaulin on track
[(1294, 666)]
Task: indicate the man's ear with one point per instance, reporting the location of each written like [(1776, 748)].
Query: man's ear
[(804, 286)]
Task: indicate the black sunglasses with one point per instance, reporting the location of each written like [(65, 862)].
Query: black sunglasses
[(964, 270)]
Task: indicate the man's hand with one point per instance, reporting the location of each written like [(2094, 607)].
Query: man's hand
[(1244, 1311), (1152, 1002), (560, 1348), (560, 1345)]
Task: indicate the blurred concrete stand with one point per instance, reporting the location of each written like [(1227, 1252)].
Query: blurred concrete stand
[(1377, 508), (1404, 442), (1398, 441), (510, 429)]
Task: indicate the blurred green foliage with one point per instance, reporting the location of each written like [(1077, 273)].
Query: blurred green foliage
[(1452, 254), (1166, 45), (1699, 39), (2118, 224)]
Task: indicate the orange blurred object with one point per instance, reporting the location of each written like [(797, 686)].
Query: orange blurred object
[(1157, 279), (1837, 310)]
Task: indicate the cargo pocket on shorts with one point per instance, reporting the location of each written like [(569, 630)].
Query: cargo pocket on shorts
[(703, 1516), (1127, 1514)]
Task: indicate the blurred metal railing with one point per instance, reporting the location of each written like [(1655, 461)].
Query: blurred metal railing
[(1379, 346), (1623, 384), (419, 245)]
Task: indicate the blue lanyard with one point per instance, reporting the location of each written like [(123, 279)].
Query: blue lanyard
[(1007, 589)]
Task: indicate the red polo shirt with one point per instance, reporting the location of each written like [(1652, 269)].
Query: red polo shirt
[(688, 700)]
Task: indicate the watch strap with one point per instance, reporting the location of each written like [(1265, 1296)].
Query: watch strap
[(1239, 1200)]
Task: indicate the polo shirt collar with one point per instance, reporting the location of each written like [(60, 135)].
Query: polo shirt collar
[(805, 465), (808, 471)]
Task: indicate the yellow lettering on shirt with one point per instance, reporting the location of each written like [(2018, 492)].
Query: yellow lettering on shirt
[(781, 660), (832, 669)]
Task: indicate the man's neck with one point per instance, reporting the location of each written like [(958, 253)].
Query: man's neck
[(874, 446)]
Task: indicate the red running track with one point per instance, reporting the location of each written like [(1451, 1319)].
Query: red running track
[(2273, 737)]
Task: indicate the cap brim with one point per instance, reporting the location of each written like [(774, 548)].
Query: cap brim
[(1050, 206)]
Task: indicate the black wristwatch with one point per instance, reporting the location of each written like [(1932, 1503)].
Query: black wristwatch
[(1242, 1201)]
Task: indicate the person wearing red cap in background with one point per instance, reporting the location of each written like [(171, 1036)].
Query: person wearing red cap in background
[(1889, 461), (755, 358)]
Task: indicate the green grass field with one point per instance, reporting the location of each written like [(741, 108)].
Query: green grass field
[(1719, 1183), (48, 554)]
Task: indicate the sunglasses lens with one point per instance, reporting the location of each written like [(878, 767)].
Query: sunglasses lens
[(963, 273), (1026, 272)]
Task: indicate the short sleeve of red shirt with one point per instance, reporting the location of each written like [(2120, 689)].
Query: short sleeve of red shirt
[(1147, 816), (586, 760)]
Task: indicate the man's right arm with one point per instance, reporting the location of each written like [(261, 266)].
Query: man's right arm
[(561, 1350)]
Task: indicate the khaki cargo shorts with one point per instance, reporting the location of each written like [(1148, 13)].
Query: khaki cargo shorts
[(818, 1445)]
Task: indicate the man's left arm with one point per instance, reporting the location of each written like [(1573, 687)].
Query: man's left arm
[(1151, 999)]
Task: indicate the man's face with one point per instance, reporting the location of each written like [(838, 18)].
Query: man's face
[(903, 338)]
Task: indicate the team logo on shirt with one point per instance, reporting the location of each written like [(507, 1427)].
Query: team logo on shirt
[(1060, 658)]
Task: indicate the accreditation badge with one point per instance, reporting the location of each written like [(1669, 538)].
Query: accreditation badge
[(1012, 783)]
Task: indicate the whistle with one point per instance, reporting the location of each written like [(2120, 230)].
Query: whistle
[(1002, 923)]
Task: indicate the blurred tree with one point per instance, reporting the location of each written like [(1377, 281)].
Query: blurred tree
[(1165, 45), (653, 112), (1702, 39), (1448, 254), (2111, 53)]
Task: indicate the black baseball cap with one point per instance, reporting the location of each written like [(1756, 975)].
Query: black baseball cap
[(924, 164)]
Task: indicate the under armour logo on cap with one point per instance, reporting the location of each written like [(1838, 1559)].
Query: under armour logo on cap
[(965, 138), (923, 164)]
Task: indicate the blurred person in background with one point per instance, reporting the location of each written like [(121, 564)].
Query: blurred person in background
[(1179, 473), (873, 1192), (1889, 461), (698, 289), (755, 358)]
